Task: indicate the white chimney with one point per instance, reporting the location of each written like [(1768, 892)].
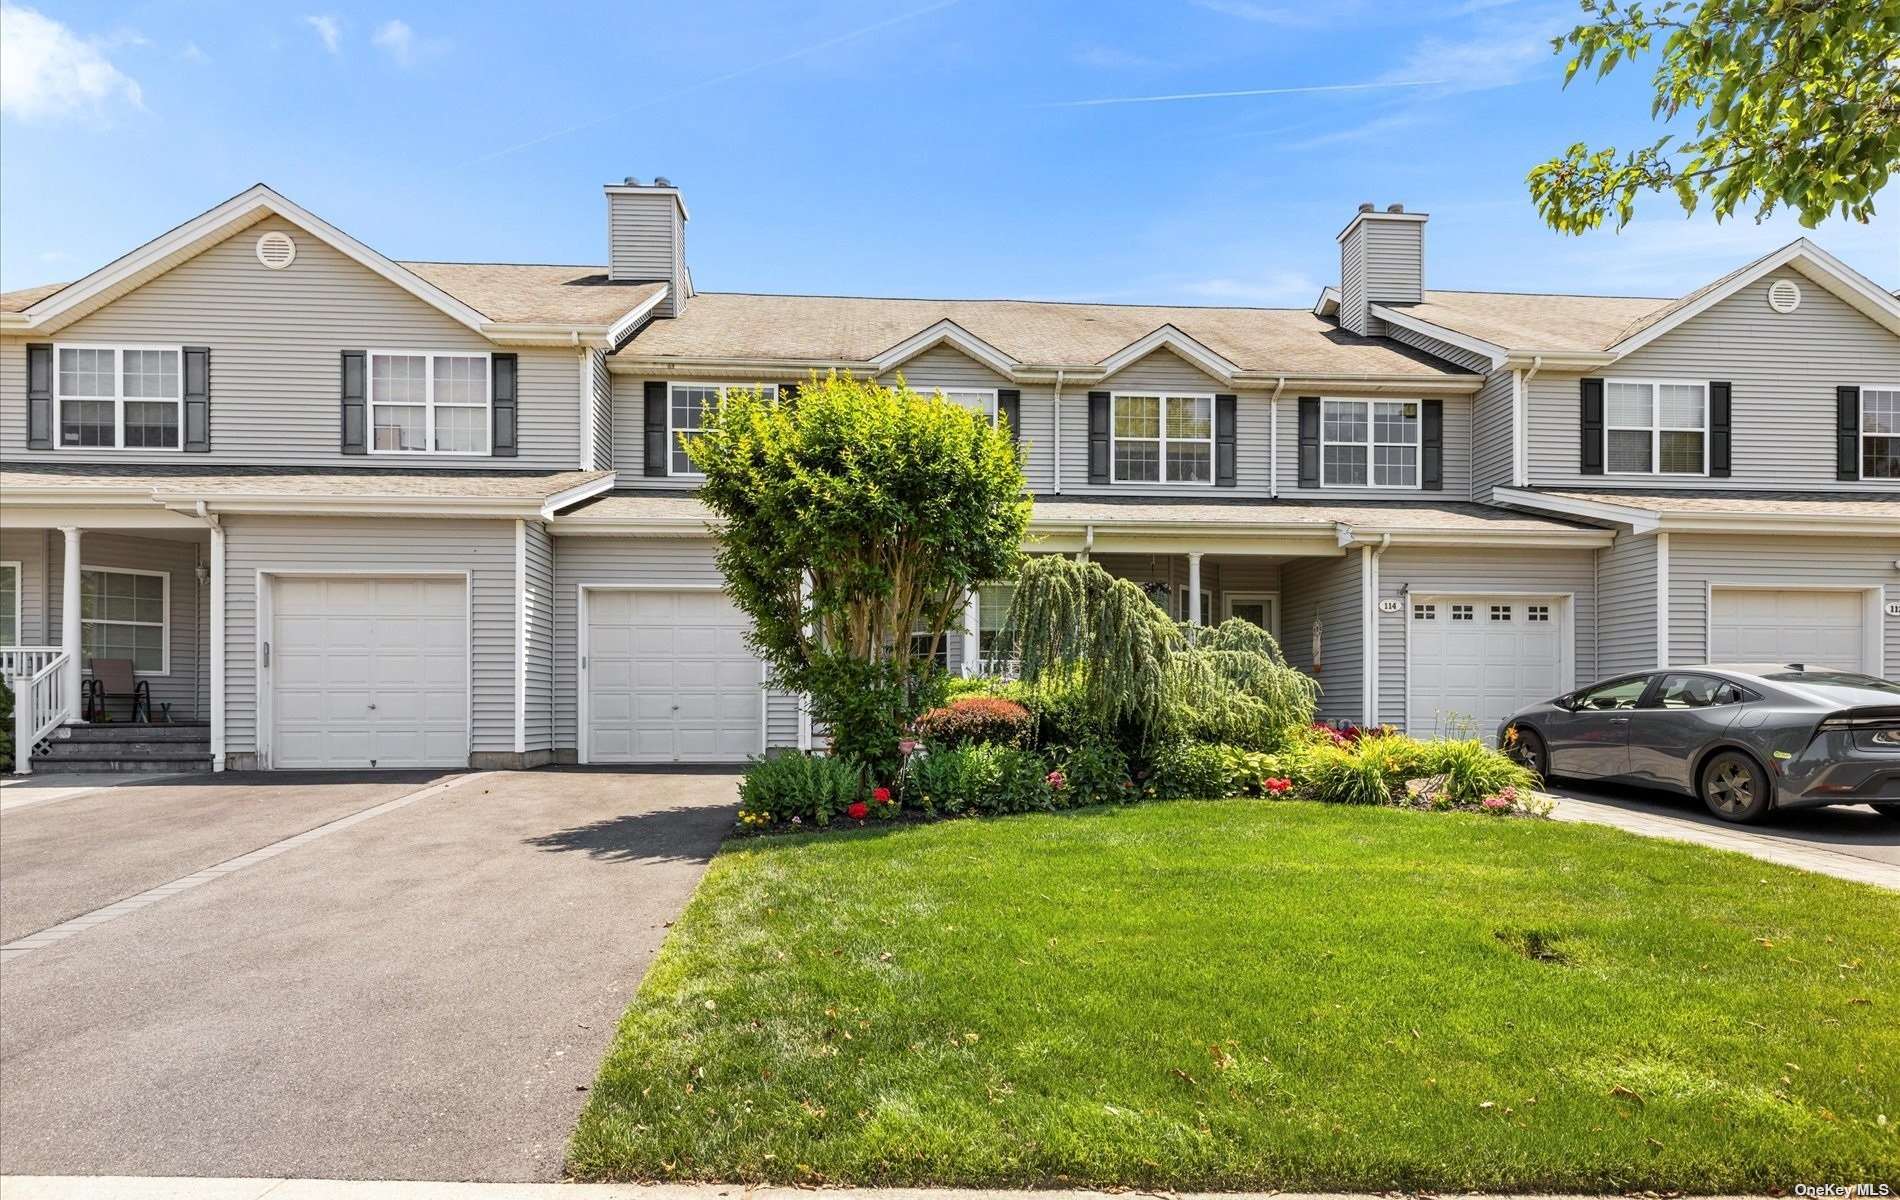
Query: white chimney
[(646, 238), (1381, 261)]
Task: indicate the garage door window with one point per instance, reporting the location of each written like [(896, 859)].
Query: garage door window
[(123, 614)]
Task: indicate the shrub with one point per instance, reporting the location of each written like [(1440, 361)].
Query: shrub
[(956, 687), (1471, 770), (978, 779), (802, 788), (1092, 773), (976, 719), (1190, 770)]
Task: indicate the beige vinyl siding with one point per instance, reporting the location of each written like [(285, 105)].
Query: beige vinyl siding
[(1470, 360), (1166, 371), (27, 547), (649, 562), (1457, 456), (538, 627), (365, 546), (1326, 592), (1419, 570), (1493, 429), (602, 391), (646, 240), (1626, 598), (1783, 369), (1697, 561), (276, 339), (185, 687)]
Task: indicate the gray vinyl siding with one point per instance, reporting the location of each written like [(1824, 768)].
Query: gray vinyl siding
[(1783, 369), (1626, 597), (1221, 575), (1492, 430), (538, 636), (650, 562), (1165, 371), (646, 240), (1457, 457), (1325, 591), (1470, 360), (1697, 561), (602, 399), (276, 339), (185, 686), (1421, 570), (27, 547), (354, 545), (1352, 285), (1394, 261)]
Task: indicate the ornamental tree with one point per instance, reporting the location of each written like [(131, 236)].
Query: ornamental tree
[(1796, 104), (853, 520)]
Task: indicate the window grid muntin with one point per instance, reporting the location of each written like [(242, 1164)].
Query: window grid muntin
[(1163, 436), (409, 390), (1369, 439), (1537, 612), (117, 617), (9, 603), (676, 461), (91, 397), (1656, 427), (1424, 612), (1880, 432), (1500, 612), (1463, 612)]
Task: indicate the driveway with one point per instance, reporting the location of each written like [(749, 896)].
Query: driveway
[(424, 993)]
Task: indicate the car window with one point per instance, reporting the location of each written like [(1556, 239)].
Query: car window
[(1623, 693), (1693, 691)]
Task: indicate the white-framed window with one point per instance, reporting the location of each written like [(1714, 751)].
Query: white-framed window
[(992, 615), (1500, 612), (1161, 438), (1424, 612), (126, 613), (981, 401), (429, 402), (9, 603), (1880, 432), (1655, 427), (1369, 443), (119, 397), (686, 407), (1461, 612), (1537, 612)]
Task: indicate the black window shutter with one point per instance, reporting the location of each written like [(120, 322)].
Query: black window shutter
[(1591, 421), (355, 402), (39, 397), (1225, 415), (197, 399), (1098, 437), (1847, 433), (1431, 430), (506, 369), (1720, 416), (658, 453), (1009, 410), (1309, 441)]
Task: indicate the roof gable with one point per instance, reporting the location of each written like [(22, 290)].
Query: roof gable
[(1169, 338), (944, 332)]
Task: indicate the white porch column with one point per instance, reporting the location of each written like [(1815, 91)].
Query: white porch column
[(1194, 590), (217, 645), (69, 616), (973, 633)]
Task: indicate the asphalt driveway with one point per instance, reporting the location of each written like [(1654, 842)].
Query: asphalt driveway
[(424, 994)]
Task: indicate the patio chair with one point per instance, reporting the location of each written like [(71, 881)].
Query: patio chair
[(115, 679)]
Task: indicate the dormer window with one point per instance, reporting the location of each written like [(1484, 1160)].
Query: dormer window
[(423, 402), (119, 397)]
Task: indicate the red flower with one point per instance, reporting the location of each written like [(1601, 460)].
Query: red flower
[(881, 795), (858, 810), (1278, 786)]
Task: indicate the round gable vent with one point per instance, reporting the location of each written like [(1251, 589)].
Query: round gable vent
[(1784, 295), (275, 250)]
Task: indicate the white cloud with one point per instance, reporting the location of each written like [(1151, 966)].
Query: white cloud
[(1364, 131), (397, 40), (193, 54), (329, 28), (1501, 50), (1109, 58), (47, 71)]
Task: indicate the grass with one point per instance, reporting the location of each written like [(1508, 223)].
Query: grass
[(1250, 994)]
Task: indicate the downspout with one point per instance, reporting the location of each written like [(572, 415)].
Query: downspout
[(217, 634), (1520, 423), (1088, 542), (1372, 555), (1057, 449), (1273, 440)]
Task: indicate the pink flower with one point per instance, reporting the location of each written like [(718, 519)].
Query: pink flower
[(1056, 780), (907, 746), (1497, 803)]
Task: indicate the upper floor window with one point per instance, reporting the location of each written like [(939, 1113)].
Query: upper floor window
[(1369, 443), (428, 403), (981, 401), (119, 397), (686, 407), (1655, 427), (1162, 439), (1880, 433)]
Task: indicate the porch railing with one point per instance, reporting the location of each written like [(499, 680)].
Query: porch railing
[(41, 704), (25, 660)]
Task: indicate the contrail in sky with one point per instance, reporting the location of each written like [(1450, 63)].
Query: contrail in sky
[(1285, 91)]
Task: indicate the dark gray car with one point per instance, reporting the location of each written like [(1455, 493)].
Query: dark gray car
[(1745, 739)]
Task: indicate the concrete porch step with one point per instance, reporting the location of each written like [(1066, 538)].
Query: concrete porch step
[(126, 731), (68, 751), (43, 765)]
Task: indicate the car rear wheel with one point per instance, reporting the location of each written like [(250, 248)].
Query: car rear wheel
[(1735, 787), (1529, 751)]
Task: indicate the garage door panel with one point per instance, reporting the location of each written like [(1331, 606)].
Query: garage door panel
[(1820, 627), (689, 689), (1466, 675)]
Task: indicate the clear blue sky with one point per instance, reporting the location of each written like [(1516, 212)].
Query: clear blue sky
[(909, 147)]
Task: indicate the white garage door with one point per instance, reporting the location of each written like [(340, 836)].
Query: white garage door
[(1475, 660), (369, 672), (669, 679), (1751, 625)]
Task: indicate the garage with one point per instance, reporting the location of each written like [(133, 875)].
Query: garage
[(1473, 660), (368, 671), (666, 677), (1788, 625)]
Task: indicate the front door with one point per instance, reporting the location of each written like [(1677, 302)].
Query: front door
[(1591, 739), (1259, 608)]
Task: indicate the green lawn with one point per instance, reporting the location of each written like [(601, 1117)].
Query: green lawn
[(1260, 994)]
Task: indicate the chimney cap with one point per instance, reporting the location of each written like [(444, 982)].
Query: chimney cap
[(634, 181), (1395, 208), (662, 181), (1366, 207)]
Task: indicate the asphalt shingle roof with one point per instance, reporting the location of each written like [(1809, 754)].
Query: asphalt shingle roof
[(1808, 504)]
